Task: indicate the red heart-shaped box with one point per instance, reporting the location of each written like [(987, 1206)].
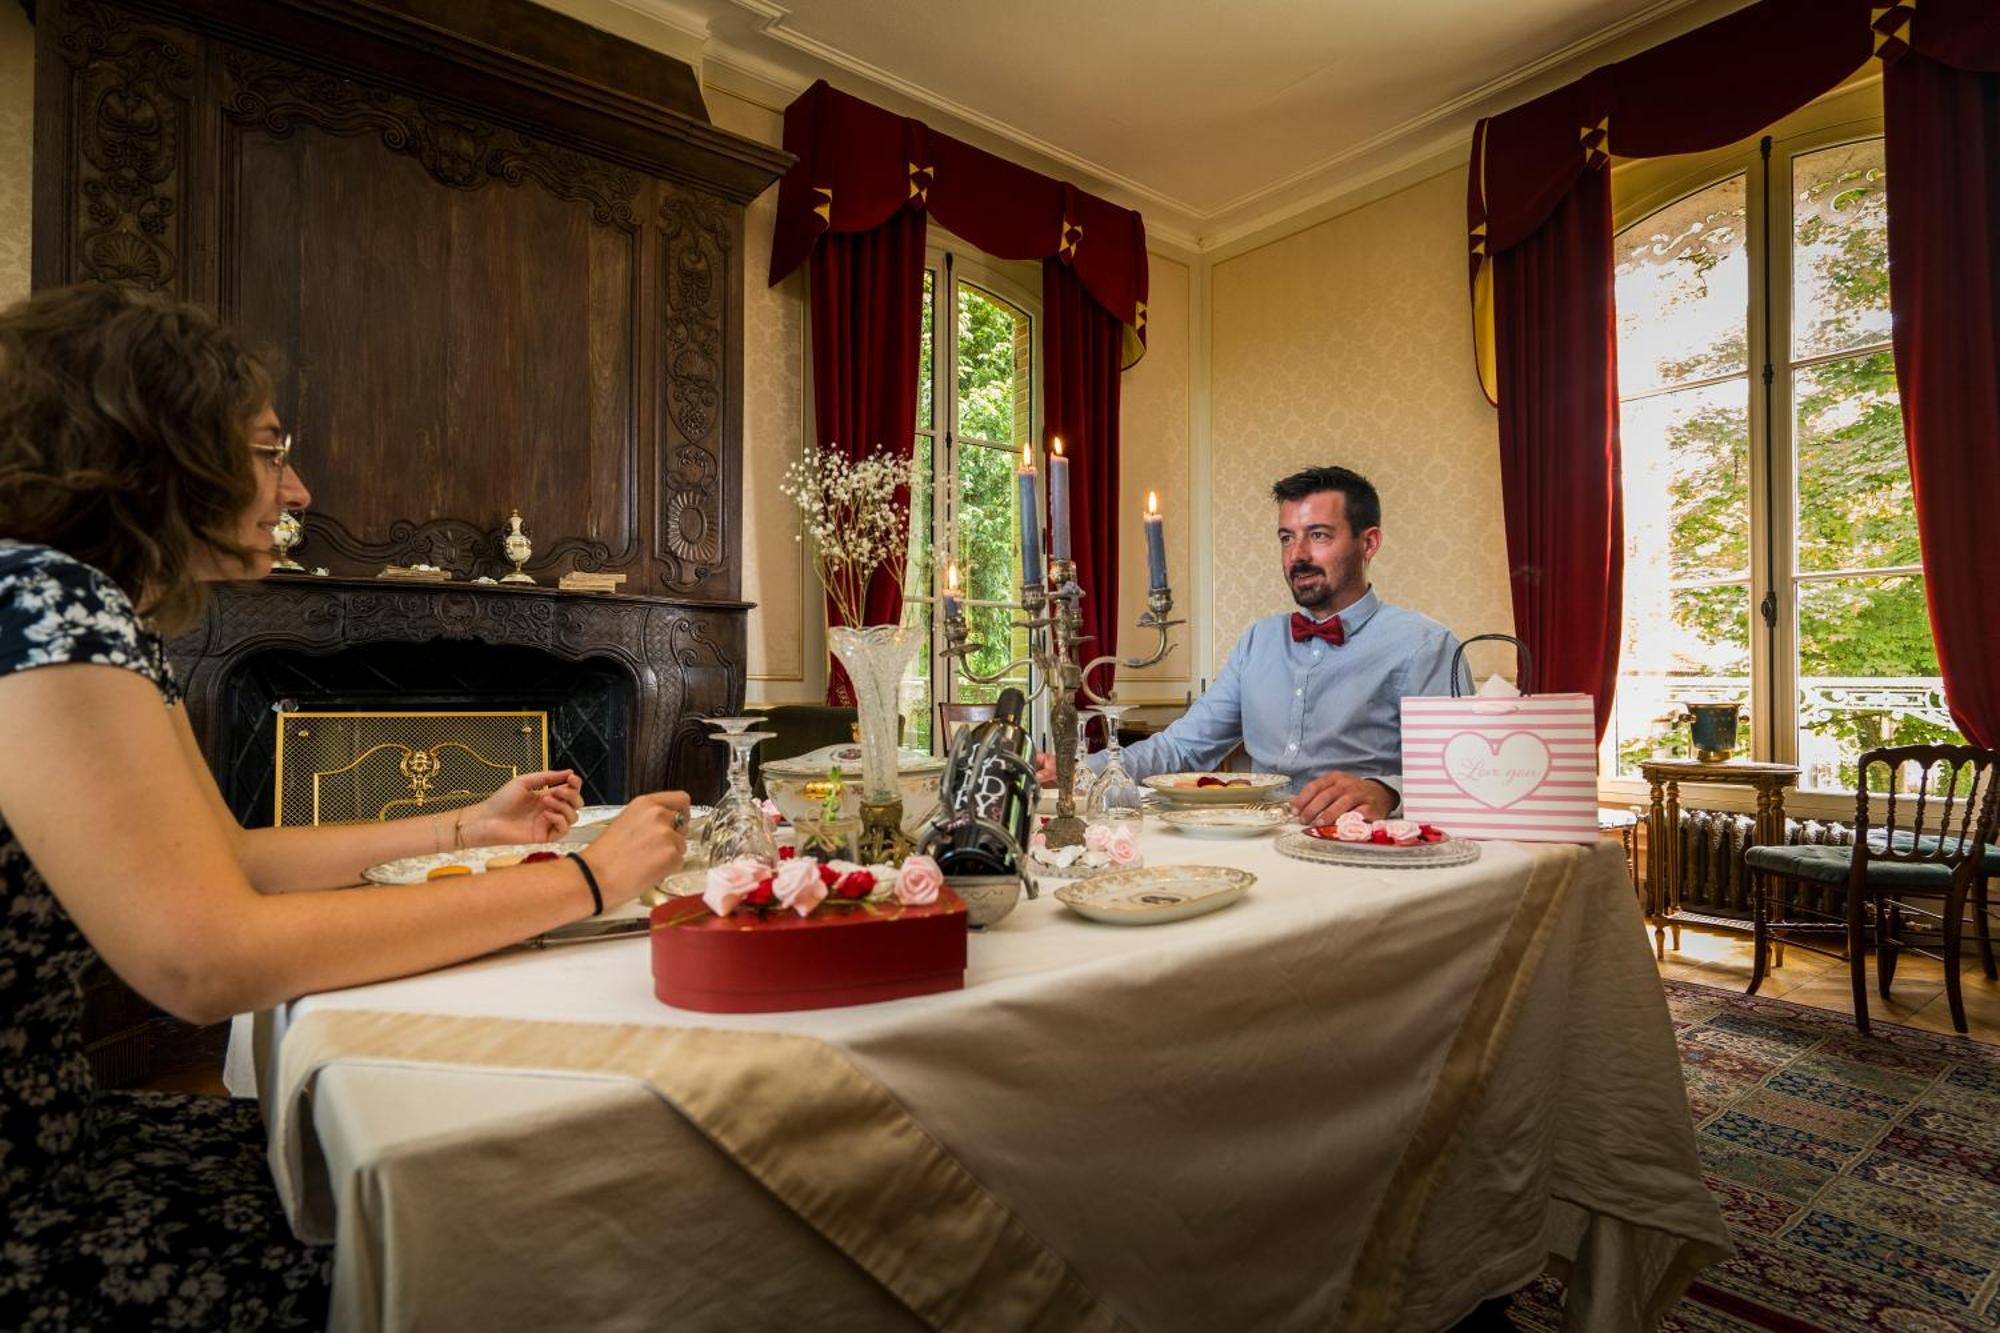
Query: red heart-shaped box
[(746, 964)]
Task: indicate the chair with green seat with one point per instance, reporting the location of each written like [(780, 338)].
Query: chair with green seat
[(1939, 849)]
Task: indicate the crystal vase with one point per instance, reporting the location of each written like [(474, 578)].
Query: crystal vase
[(876, 658)]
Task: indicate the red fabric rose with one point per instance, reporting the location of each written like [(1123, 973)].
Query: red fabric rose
[(763, 893), (787, 853), (854, 884), (828, 875)]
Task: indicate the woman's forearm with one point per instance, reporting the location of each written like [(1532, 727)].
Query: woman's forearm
[(331, 856)]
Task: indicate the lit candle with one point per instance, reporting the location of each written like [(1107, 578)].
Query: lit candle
[(1031, 519), (952, 610), (1058, 502), (1156, 543)]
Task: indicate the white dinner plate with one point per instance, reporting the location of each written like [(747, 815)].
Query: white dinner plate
[(1226, 821), (1154, 895), (1243, 788), (416, 869)]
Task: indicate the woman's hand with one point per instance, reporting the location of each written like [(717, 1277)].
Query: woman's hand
[(535, 807), (645, 844)]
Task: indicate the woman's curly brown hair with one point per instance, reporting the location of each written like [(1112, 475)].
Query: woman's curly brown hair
[(124, 442)]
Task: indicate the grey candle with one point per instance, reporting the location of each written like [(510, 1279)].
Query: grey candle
[(1058, 502), (1031, 519), (1156, 544)]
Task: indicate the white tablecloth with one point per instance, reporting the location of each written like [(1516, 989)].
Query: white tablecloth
[(1354, 1099)]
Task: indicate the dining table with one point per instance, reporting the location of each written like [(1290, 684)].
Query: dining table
[(1357, 1098)]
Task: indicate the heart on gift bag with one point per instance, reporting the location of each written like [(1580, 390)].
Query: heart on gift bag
[(1496, 774)]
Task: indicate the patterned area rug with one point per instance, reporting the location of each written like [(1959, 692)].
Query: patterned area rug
[(1860, 1175)]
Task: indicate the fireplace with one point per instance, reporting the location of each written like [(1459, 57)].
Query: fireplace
[(624, 680)]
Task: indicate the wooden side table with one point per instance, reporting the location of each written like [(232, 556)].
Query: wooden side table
[(1663, 843)]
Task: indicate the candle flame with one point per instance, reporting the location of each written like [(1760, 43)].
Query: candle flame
[(1027, 457), (1056, 447), (1152, 502), (951, 576)]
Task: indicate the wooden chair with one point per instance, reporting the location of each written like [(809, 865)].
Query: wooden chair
[(1938, 850), (952, 716)]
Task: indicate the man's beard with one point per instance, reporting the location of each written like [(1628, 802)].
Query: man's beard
[(1313, 596)]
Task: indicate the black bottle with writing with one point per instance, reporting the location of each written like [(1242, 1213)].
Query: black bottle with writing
[(987, 798)]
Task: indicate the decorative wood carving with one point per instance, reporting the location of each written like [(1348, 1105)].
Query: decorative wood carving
[(131, 85), (457, 150), (695, 265)]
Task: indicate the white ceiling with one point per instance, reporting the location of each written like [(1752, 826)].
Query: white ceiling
[(1213, 117)]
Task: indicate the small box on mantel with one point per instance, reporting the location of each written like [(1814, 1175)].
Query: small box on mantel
[(578, 581), (745, 964)]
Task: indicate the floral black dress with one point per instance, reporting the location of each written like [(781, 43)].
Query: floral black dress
[(118, 1210)]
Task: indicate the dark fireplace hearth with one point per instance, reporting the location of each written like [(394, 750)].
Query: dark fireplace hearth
[(625, 680)]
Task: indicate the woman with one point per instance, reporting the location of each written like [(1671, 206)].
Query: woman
[(139, 459)]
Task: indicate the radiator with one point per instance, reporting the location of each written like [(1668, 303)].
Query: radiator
[(1713, 879)]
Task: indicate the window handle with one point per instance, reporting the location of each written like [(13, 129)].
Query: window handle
[(1768, 608)]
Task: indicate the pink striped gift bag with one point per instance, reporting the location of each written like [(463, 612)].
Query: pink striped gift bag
[(1486, 766)]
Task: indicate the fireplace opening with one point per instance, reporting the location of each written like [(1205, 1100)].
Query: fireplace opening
[(590, 705)]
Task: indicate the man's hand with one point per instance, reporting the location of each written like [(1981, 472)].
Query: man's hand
[(1045, 768), (1331, 795)]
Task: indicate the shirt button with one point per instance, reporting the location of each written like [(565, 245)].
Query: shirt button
[(1293, 746)]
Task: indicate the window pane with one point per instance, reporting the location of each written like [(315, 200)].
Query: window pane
[(1855, 506), (1682, 646), (1868, 675), (989, 556), (919, 580), (1687, 484), (1840, 249), (926, 344), (1684, 291), (993, 402)]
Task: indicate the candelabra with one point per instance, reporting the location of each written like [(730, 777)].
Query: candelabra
[(1052, 615)]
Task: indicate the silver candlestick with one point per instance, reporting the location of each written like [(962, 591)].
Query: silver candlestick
[(1052, 615)]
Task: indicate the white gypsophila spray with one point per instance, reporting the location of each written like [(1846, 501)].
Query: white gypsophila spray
[(848, 510)]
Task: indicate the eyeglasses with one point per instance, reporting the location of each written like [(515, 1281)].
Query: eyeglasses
[(280, 454)]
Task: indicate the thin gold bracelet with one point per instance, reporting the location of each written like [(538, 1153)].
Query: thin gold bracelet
[(458, 831), (437, 834)]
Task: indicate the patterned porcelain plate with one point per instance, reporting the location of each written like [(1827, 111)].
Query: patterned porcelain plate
[(680, 884), (1239, 788), (1226, 821), (1302, 846), (1153, 895), (417, 869)]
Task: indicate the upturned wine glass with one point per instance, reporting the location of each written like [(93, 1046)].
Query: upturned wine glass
[(1115, 795), (738, 826)]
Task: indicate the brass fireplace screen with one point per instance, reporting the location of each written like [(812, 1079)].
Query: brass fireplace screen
[(356, 768)]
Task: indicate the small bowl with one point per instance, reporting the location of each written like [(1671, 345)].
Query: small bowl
[(988, 898)]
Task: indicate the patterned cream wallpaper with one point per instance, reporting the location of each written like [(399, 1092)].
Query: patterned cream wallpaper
[(17, 115), (1349, 343), (1153, 431), (786, 659)]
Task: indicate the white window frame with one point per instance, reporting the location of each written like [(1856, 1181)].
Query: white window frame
[(1850, 114), (952, 263)]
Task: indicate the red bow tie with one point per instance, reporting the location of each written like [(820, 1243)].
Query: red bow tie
[(1330, 629)]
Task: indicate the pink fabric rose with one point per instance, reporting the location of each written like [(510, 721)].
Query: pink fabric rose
[(1122, 846), (729, 883), (1038, 841), (1403, 832), (799, 885), (1353, 827), (918, 882), (1097, 837)]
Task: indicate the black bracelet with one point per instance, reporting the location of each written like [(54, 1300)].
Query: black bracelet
[(596, 894)]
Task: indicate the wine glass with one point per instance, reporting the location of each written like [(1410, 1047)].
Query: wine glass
[(1116, 795), (1081, 780), (738, 826)]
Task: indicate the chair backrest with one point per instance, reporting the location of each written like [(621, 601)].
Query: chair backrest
[(801, 729), (1947, 820), (952, 716)]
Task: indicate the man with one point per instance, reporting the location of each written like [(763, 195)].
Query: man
[(1316, 694)]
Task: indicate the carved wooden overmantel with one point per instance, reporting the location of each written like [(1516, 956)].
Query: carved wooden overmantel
[(499, 257)]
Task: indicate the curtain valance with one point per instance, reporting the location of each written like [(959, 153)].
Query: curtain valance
[(1704, 89), (858, 164)]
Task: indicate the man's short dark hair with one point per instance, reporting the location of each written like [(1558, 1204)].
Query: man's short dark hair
[(1362, 505)]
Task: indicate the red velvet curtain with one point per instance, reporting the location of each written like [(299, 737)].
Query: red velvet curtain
[(1541, 260), (1081, 345), (867, 323), (1559, 461), (1943, 147)]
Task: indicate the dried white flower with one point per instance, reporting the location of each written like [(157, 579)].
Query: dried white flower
[(851, 512)]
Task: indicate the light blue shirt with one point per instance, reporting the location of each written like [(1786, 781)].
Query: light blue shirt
[(1303, 709)]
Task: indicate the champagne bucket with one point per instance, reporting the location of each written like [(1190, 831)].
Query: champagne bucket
[(1712, 727)]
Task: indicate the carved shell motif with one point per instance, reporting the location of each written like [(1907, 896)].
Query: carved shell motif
[(692, 532)]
